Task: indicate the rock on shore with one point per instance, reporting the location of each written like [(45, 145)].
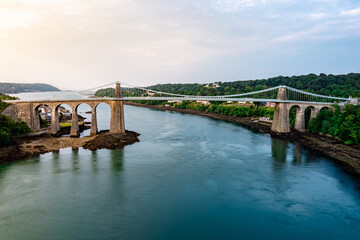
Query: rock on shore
[(34, 146), (112, 140)]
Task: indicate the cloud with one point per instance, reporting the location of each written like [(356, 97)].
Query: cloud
[(237, 5), (318, 16), (69, 43), (352, 12)]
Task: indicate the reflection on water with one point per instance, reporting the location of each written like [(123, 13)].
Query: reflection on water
[(280, 152), (279, 149), (117, 160), (77, 159), (297, 154), (189, 178)]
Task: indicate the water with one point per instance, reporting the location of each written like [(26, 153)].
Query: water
[(189, 178)]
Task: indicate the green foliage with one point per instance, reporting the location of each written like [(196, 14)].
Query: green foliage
[(6, 97), (292, 116), (334, 85), (106, 92), (342, 124), (5, 136), (230, 110), (9, 128), (43, 123), (152, 102), (3, 105)]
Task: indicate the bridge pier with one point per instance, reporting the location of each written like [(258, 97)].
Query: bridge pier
[(314, 112), (74, 131), (281, 122), (300, 119), (55, 127), (94, 128), (117, 123), (34, 121)]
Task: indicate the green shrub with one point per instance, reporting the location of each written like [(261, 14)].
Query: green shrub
[(5, 136), (9, 128), (3, 105), (342, 124)]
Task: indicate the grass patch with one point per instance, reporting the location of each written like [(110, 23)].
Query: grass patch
[(68, 124)]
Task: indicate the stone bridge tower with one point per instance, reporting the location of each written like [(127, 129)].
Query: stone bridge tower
[(117, 122), (281, 122)]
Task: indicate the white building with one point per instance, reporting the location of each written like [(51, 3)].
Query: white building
[(203, 102)]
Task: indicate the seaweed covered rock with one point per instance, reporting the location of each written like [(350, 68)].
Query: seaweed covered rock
[(112, 140)]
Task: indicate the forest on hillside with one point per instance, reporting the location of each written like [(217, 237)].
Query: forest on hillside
[(331, 85)]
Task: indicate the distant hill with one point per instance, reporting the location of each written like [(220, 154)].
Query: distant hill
[(26, 87)]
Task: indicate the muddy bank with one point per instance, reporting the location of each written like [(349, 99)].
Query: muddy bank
[(347, 156), (33, 145)]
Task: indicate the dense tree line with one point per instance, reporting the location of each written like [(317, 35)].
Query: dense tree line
[(344, 125), (332, 85), (231, 110), (105, 92)]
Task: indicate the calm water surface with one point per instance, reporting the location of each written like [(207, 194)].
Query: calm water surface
[(189, 178)]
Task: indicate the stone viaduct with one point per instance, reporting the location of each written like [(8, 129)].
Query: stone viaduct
[(28, 112), (281, 121)]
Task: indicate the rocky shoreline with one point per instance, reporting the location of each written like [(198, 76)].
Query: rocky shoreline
[(36, 144), (348, 157)]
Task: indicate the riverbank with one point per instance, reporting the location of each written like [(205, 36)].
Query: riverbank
[(36, 144), (347, 156)]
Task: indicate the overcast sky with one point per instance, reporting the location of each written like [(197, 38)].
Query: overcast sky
[(79, 44)]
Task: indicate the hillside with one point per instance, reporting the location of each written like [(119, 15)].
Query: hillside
[(331, 85), (26, 87)]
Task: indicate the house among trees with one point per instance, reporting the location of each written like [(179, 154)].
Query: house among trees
[(270, 104), (203, 102)]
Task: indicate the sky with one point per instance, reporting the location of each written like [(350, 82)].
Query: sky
[(79, 44)]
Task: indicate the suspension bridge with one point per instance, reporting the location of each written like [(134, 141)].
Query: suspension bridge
[(284, 98)]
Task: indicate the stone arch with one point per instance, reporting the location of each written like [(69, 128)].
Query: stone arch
[(103, 115), (84, 108), (84, 113), (293, 110), (325, 108), (310, 112), (42, 113), (65, 112), (297, 117)]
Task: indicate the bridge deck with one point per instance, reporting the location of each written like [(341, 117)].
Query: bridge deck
[(204, 98)]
